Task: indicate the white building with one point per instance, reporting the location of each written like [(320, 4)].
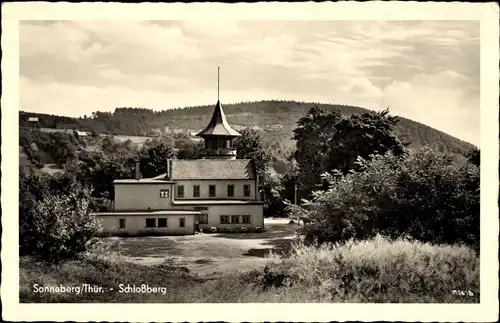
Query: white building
[(218, 191)]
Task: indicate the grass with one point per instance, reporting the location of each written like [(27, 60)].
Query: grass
[(370, 271)]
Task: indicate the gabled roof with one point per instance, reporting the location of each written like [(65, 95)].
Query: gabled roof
[(183, 169), (218, 125)]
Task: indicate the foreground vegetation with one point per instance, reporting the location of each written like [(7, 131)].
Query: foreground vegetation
[(375, 270)]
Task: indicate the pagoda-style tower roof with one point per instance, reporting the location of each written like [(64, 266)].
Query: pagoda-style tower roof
[(218, 134), (218, 125)]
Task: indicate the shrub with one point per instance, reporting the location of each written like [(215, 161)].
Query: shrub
[(55, 217), (423, 195)]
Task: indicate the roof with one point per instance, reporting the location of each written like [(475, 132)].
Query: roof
[(183, 169), (156, 180), (150, 213), (219, 201), (218, 125)]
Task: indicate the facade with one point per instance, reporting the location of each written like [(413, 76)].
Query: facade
[(217, 192)]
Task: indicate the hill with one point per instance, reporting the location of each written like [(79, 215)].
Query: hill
[(275, 120)]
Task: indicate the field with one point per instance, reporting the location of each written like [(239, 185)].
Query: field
[(232, 268)]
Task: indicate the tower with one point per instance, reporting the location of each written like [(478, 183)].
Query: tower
[(218, 135)]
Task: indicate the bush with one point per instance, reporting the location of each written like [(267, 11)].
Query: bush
[(423, 195), (376, 270), (55, 217)]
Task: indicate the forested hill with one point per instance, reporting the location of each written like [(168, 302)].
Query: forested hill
[(275, 119)]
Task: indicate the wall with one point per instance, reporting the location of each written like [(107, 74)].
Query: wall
[(142, 197), (136, 224), (215, 211), (220, 189)]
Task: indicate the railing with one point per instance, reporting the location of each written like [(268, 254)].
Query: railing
[(220, 151)]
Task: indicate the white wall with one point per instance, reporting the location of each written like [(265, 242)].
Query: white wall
[(256, 212), (142, 197), (220, 189), (136, 224)]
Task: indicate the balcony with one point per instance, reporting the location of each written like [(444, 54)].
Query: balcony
[(219, 152)]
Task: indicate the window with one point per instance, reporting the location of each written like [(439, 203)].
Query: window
[(150, 223), (224, 219), (246, 190), (230, 190), (202, 218), (180, 191), (123, 224), (211, 190), (164, 193), (246, 218), (235, 219), (162, 223), (196, 191), (182, 222), (228, 144)]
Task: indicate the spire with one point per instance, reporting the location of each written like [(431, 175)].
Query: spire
[(218, 125)]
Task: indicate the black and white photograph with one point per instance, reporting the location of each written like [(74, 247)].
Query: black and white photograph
[(244, 159)]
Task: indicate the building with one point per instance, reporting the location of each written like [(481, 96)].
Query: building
[(216, 192), (33, 122), (80, 134)]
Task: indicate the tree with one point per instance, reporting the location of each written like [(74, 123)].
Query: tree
[(270, 192), (474, 156), (371, 133), (153, 156), (189, 149), (98, 170), (250, 146), (328, 141), (55, 219), (312, 135)]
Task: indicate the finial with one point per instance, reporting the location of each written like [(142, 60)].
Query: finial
[(218, 81)]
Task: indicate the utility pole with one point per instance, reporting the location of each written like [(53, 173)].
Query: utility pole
[(295, 193)]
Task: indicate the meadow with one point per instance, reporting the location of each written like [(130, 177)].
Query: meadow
[(268, 267)]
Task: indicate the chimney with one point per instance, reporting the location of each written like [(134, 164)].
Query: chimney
[(137, 170), (168, 169)]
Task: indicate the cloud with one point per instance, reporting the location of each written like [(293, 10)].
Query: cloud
[(69, 44), (438, 101), (409, 65)]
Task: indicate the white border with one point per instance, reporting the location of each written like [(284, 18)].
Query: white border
[(487, 13)]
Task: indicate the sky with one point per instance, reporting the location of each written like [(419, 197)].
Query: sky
[(427, 71)]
